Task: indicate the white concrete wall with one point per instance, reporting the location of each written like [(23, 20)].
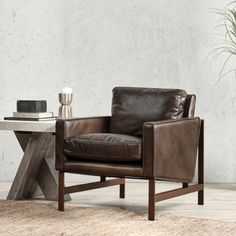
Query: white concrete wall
[(93, 46)]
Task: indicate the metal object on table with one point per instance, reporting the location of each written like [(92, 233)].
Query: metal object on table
[(65, 110), (65, 98)]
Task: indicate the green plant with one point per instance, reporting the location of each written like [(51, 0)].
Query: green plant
[(229, 44)]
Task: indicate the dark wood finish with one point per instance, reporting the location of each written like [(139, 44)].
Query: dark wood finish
[(102, 178), (151, 199), (61, 191), (122, 189), (201, 164), (185, 185), (177, 192), (95, 185)]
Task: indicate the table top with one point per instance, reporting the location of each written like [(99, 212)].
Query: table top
[(28, 126)]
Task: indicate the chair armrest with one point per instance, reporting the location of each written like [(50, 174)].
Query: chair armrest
[(68, 128), (170, 149)]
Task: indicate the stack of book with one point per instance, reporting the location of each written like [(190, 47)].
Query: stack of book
[(31, 110)]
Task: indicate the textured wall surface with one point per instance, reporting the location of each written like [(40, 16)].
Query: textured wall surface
[(93, 46)]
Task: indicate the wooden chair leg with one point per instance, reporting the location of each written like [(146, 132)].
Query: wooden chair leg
[(102, 178), (151, 200), (201, 197), (61, 191), (201, 164), (122, 190), (185, 185)]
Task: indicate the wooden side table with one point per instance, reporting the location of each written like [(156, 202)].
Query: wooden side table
[(36, 173)]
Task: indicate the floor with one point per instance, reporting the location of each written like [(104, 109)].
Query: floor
[(220, 200)]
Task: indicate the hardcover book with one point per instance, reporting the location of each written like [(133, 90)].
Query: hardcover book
[(31, 119), (33, 114)]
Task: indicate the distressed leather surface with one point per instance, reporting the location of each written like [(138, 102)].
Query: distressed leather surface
[(131, 107), (170, 149), (104, 147), (107, 169), (74, 127), (169, 146)]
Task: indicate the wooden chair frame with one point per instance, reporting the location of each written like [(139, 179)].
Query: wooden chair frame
[(153, 197)]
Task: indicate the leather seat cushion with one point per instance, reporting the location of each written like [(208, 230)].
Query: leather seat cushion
[(104, 147), (131, 107)]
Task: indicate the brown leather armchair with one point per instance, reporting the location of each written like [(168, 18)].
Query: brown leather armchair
[(152, 134)]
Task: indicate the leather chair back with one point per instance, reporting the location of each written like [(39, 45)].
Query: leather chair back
[(131, 107), (189, 106)]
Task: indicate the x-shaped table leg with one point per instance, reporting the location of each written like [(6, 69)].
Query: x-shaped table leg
[(37, 168)]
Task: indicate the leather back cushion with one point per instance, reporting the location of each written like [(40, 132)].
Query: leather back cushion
[(131, 107)]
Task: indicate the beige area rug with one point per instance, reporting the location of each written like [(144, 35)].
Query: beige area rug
[(30, 218)]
